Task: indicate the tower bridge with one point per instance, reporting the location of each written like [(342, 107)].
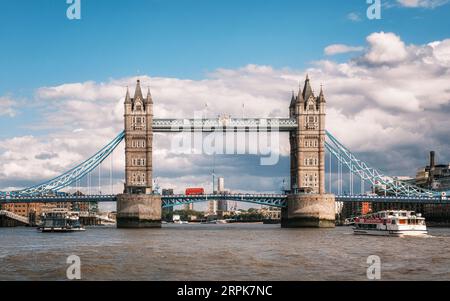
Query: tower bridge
[(306, 205)]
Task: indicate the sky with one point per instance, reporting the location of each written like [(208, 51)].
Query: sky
[(62, 82)]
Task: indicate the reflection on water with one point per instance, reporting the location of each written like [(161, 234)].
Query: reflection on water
[(221, 252)]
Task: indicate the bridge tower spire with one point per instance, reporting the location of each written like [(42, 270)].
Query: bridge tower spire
[(127, 98), (308, 205), (138, 207), (138, 91)]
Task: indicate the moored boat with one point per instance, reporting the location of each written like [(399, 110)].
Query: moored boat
[(60, 221), (391, 223)]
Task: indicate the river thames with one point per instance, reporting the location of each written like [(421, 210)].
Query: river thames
[(221, 252)]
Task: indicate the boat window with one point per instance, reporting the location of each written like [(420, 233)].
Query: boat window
[(394, 222)]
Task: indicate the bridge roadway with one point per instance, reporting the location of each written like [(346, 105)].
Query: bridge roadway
[(273, 200)]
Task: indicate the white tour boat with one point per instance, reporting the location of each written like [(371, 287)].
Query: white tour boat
[(391, 223)]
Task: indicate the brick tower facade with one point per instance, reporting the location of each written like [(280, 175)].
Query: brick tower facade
[(308, 142), (138, 142)]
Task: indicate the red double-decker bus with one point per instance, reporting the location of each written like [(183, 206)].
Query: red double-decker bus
[(195, 191)]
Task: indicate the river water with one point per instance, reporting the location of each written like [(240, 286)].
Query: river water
[(221, 252)]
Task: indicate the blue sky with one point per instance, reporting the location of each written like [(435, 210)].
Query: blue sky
[(54, 72), (185, 39)]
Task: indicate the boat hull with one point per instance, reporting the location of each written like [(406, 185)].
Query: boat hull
[(60, 230), (395, 233)]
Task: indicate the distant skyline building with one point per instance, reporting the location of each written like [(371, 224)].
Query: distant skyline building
[(212, 208), (222, 205), (220, 184), (434, 176)]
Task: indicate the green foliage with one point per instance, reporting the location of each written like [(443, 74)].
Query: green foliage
[(250, 215)]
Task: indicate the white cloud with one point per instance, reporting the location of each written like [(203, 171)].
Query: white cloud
[(88, 91), (385, 48), (390, 104), (422, 3), (440, 53), (341, 48), (7, 106)]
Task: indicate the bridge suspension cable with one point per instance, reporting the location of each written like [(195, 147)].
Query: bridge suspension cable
[(99, 179), (75, 174), (365, 172), (111, 158)]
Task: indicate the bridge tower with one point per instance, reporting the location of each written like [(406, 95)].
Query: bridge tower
[(138, 207), (308, 204)]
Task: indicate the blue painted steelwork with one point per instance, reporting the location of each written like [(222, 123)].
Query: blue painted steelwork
[(58, 199), (365, 172), (272, 200), (54, 185), (225, 124), (392, 199)]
